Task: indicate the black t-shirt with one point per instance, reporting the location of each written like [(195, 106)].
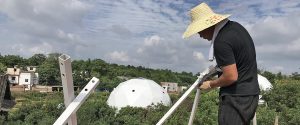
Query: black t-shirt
[(234, 45)]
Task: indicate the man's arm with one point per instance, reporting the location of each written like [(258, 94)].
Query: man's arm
[(229, 76)]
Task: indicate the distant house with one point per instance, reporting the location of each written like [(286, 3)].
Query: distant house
[(31, 68), (28, 78), (181, 88), (19, 77), (170, 86), (13, 75)]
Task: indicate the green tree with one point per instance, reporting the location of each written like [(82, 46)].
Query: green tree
[(53, 56), (265, 115), (279, 76), (295, 75), (36, 59), (283, 95), (12, 60), (269, 75), (49, 71), (2, 68)]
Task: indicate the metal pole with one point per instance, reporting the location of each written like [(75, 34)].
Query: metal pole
[(67, 83), (276, 120), (209, 72), (194, 109), (181, 99), (77, 102), (254, 119)]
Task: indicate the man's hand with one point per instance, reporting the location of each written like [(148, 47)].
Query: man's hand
[(205, 85)]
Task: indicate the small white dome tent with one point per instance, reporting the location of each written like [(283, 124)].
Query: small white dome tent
[(264, 83), (138, 93)]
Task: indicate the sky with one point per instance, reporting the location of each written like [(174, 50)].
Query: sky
[(146, 32)]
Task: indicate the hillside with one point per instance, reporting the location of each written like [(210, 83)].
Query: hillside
[(44, 108), (83, 70)]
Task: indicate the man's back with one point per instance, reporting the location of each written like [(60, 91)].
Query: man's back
[(233, 44)]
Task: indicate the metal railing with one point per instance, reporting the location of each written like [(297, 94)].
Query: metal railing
[(210, 72)]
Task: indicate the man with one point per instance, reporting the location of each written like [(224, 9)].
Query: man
[(234, 51)]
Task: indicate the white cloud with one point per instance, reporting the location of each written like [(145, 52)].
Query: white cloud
[(277, 37), (146, 33), (277, 42), (278, 69), (152, 41), (35, 23), (44, 48), (140, 50), (198, 56), (119, 56), (169, 53)]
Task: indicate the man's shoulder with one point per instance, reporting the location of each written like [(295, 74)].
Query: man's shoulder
[(231, 26), (229, 31)]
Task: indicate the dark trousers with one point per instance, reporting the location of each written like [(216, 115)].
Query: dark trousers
[(237, 110)]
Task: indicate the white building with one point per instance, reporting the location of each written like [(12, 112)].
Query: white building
[(28, 78), (182, 88), (138, 93), (31, 68), (170, 86)]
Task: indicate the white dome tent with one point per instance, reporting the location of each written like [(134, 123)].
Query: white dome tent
[(138, 93), (264, 84)]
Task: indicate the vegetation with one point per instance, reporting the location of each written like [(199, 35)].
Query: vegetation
[(44, 108), (40, 108), (110, 75)]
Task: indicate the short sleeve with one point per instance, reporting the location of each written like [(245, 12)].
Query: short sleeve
[(223, 52)]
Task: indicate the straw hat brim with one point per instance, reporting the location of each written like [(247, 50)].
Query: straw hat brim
[(203, 24)]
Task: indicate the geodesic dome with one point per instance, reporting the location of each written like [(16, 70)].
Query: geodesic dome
[(138, 93), (264, 83)]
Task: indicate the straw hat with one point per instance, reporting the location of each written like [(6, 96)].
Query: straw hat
[(202, 18)]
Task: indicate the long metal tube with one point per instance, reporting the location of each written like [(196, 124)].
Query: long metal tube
[(77, 102), (211, 71), (181, 99), (194, 109)]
